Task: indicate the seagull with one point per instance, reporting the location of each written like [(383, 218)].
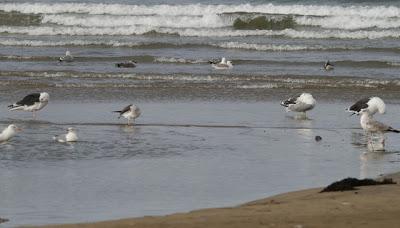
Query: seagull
[(67, 58), (71, 136), (372, 126), (31, 103), (130, 112), (9, 132), (127, 64), (222, 65), (328, 66), (302, 103), (371, 104)]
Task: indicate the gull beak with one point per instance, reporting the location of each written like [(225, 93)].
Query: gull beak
[(18, 129)]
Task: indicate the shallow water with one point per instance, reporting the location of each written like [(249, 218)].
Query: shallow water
[(206, 138), (180, 156)]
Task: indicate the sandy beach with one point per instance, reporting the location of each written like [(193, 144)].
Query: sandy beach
[(369, 206)]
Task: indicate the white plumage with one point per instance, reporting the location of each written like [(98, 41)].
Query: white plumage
[(223, 65), (130, 112), (71, 136), (9, 132), (302, 103), (67, 57)]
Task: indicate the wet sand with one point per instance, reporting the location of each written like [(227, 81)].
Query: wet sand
[(369, 206)]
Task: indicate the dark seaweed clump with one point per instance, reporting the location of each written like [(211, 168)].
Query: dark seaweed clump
[(349, 184), (263, 23)]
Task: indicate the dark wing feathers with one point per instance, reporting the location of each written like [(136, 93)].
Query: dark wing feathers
[(28, 100), (289, 101), (127, 108), (361, 104)]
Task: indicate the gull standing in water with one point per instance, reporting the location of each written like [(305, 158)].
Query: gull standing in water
[(9, 132), (130, 112), (31, 103), (222, 65), (67, 57), (372, 127), (302, 103), (367, 107), (71, 136)]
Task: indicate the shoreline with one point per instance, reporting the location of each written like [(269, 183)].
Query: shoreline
[(368, 206)]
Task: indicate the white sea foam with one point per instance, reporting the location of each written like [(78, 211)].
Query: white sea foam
[(140, 30), (206, 21), (177, 60), (349, 22), (200, 9)]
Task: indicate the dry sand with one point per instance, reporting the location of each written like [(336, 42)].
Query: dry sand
[(369, 206)]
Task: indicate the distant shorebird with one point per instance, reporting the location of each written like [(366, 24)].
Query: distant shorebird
[(67, 57), (71, 136), (223, 65), (31, 103), (302, 103), (328, 66), (370, 104), (130, 112), (9, 132), (127, 64)]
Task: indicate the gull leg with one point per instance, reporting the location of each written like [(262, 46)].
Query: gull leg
[(34, 115)]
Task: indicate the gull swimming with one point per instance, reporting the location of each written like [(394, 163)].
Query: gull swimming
[(328, 66), (130, 112), (31, 103), (66, 58), (302, 103), (370, 104), (71, 136), (127, 64), (9, 132), (222, 65)]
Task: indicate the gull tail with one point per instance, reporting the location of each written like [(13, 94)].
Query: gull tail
[(119, 113), (14, 107), (393, 130)]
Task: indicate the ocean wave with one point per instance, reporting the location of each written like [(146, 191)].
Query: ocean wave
[(207, 81), (207, 21), (201, 9), (191, 32), (349, 22), (178, 60)]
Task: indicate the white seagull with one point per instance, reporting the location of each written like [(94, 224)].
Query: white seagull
[(223, 65), (130, 112), (9, 132), (31, 103), (71, 136), (370, 104), (66, 58), (328, 66), (302, 103)]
